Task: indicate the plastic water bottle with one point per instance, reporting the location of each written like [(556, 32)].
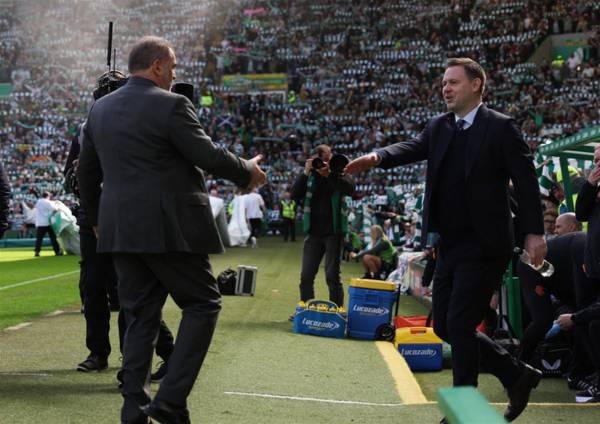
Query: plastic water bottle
[(553, 331), (546, 269)]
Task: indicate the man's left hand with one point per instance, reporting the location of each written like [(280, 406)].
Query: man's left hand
[(565, 321), (535, 245)]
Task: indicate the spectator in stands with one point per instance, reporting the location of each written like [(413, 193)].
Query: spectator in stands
[(288, 215), (586, 323), (566, 223), (325, 222), (381, 258), (255, 206), (588, 210), (43, 211), (550, 224), (4, 198), (476, 238), (565, 253)]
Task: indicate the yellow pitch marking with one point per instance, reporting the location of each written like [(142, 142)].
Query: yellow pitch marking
[(406, 385)]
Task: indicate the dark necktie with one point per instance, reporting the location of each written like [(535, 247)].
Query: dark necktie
[(460, 125)]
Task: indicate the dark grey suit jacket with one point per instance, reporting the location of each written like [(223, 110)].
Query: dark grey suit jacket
[(495, 153), (145, 145)]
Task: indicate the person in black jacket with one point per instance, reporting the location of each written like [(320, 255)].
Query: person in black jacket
[(4, 198), (325, 223), (587, 209), (472, 153), (566, 291), (586, 323)]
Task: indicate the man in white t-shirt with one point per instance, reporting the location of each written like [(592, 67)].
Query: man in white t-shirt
[(43, 210), (255, 205)]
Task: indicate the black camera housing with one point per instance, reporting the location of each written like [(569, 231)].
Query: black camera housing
[(317, 163)]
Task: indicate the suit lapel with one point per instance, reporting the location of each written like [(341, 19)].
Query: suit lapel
[(446, 132), (476, 138)]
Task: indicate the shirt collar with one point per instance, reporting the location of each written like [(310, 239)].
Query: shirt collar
[(469, 117)]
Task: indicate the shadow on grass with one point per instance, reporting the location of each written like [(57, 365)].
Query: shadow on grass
[(37, 386), (259, 326)]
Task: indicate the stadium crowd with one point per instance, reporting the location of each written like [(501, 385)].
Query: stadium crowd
[(360, 75)]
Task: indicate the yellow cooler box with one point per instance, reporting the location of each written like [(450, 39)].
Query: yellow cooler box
[(420, 347)]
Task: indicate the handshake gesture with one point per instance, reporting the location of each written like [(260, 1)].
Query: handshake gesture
[(257, 175), (362, 164)]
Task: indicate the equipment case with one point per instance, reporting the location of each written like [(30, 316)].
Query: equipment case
[(246, 280)]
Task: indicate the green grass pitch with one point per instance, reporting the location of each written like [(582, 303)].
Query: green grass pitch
[(254, 352)]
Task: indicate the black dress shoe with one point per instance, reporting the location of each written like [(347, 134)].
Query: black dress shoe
[(518, 394), (165, 414), (93, 363), (444, 421)]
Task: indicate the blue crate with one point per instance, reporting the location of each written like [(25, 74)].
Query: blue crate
[(367, 310), (320, 318)]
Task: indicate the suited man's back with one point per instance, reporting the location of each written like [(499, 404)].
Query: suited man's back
[(153, 197)]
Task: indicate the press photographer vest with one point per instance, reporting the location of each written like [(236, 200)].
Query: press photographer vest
[(338, 208)]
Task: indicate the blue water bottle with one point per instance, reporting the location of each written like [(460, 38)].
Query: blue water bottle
[(553, 331)]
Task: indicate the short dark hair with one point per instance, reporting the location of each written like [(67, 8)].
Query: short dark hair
[(322, 149), (146, 50), (472, 69)]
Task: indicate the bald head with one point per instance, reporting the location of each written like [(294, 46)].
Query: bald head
[(567, 223)]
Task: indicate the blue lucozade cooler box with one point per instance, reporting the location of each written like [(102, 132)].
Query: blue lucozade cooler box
[(370, 306), (420, 347), (320, 318)]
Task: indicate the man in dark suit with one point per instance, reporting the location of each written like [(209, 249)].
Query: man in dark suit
[(145, 145), (472, 153)]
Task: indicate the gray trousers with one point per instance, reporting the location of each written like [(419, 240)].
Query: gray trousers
[(144, 282), (314, 249)]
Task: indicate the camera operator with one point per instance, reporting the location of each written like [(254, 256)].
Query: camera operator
[(323, 187), (98, 279)]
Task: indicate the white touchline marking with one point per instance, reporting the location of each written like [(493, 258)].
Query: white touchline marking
[(37, 280), (310, 399), (18, 326), (55, 313), (26, 374)]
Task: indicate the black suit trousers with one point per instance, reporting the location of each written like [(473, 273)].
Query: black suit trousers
[(314, 248), (463, 285), (289, 229), (145, 280), (39, 238), (97, 274)]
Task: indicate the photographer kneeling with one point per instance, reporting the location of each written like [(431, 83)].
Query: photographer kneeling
[(323, 186)]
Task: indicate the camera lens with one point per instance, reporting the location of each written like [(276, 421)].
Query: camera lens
[(318, 163)]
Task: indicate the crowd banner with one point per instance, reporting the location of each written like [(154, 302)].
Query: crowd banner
[(256, 82)]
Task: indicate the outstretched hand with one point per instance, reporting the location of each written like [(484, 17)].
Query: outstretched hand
[(257, 176), (362, 164)]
